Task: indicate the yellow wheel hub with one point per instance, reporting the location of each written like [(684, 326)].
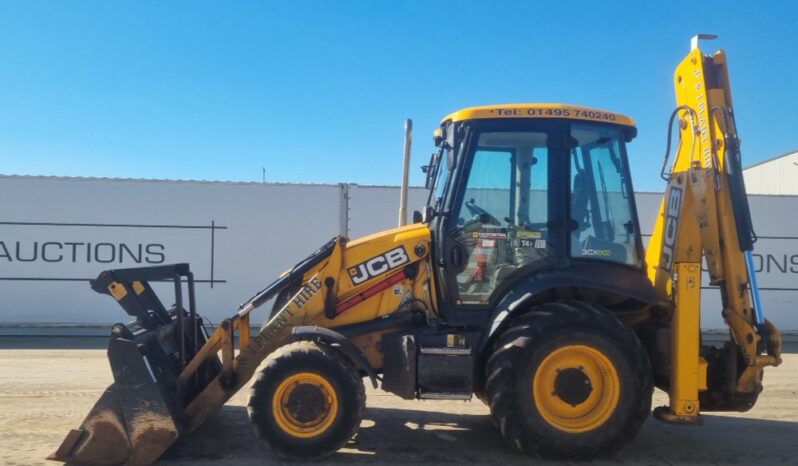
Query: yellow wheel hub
[(305, 405), (576, 388)]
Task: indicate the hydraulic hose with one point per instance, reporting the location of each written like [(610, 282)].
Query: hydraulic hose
[(694, 118)]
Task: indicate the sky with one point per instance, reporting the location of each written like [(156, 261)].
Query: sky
[(317, 92)]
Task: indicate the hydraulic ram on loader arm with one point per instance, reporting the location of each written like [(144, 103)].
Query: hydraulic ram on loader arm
[(168, 376), (705, 215)]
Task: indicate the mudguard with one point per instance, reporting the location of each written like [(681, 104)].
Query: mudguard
[(618, 280), (333, 338)]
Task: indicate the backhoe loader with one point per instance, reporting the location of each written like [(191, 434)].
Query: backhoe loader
[(524, 282)]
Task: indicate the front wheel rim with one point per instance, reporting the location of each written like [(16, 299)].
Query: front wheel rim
[(308, 388)]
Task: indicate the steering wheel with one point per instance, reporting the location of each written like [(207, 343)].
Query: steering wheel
[(481, 215)]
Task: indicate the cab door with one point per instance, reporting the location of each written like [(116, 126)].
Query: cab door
[(498, 226)]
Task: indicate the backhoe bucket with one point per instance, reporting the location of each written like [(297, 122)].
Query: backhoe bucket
[(140, 415)]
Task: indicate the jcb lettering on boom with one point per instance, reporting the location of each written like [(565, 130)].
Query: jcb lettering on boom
[(378, 265), (671, 225)]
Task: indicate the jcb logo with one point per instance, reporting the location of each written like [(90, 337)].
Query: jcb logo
[(378, 265), (671, 225)]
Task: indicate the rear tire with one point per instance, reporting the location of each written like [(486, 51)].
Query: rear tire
[(307, 402), (568, 380)]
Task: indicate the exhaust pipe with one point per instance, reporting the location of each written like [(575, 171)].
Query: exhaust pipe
[(405, 173)]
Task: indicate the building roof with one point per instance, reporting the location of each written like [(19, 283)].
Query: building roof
[(190, 181), (762, 162)]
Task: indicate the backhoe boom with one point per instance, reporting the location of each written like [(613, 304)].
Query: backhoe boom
[(705, 217)]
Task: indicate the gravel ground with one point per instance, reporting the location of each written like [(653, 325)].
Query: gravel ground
[(44, 393)]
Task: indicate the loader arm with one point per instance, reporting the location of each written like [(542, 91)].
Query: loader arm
[(704, 215), (318, 276), (170, 377)]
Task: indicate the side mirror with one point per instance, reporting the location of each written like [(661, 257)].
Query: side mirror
[(450, 135), (450, 159), (449, 145), (426, 217), (417, 217), (427, 170), (430, 171)]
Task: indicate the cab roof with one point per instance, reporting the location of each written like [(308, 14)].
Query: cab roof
[(574, 112)]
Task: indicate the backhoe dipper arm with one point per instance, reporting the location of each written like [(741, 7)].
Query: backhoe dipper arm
[(705, 215)]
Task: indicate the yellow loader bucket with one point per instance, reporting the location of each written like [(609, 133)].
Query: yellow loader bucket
[(141, 414), (133, 422)]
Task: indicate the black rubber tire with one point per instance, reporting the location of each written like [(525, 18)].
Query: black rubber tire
[(306, 356), (521, 348)]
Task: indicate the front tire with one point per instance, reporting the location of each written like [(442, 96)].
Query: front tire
[(568, 380), (307, 402)]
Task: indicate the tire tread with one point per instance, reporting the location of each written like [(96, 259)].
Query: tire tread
[(518, 340), (260, 399)]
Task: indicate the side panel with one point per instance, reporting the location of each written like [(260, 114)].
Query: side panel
[(380, 274)]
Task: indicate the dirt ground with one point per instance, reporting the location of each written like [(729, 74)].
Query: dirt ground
[(44, 393)]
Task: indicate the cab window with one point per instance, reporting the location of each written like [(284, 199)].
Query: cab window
[(601, 204), (501, 222)]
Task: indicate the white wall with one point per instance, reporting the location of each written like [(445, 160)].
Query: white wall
[(261, 230), (374, 208), (775, 255)]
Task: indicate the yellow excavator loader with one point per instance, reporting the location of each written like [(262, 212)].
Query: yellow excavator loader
[(524, 282)]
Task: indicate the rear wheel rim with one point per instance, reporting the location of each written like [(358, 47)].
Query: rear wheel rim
[(576, 388), (305, 405)]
